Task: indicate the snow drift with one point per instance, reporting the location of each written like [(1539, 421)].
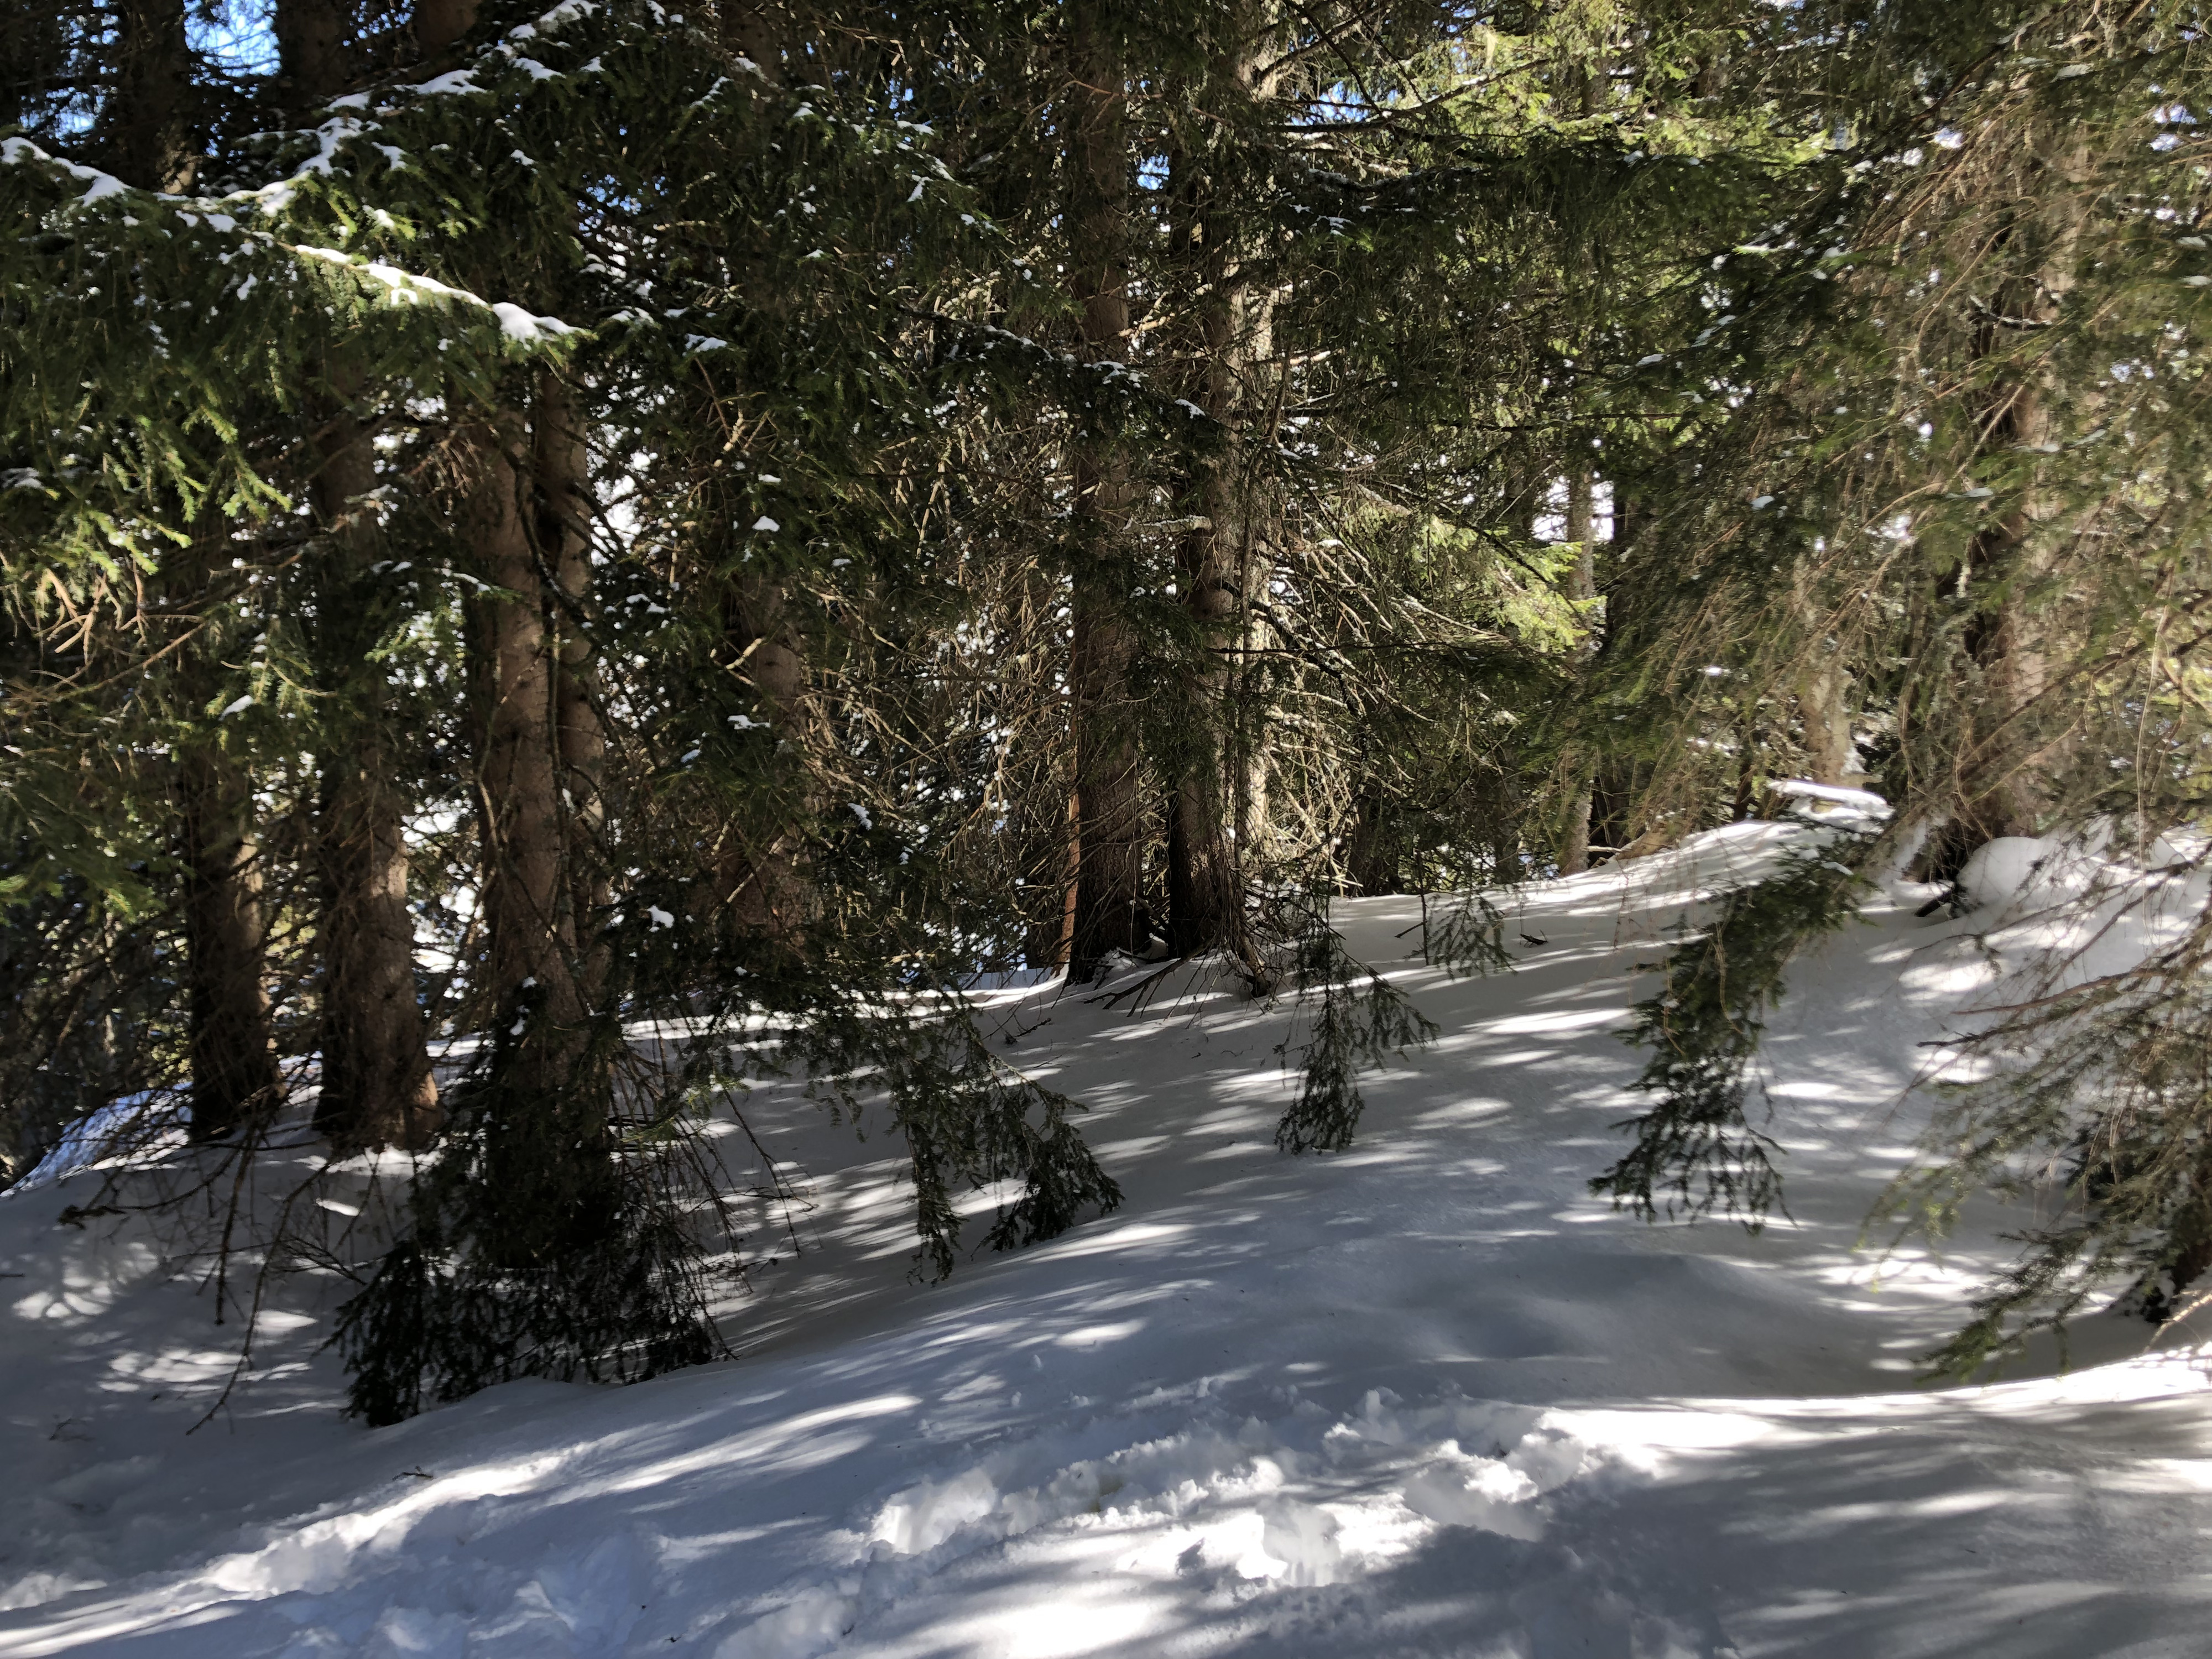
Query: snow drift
[(1424, 1397)]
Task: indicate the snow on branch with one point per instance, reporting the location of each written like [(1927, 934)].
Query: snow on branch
[(517, 325), (524, 327)]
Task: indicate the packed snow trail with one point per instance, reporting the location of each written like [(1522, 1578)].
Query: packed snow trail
[(1426, 1397)]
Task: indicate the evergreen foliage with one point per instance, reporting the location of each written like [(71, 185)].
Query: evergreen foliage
[(1695, 1149), (1354, 1027), (2090, 1104)]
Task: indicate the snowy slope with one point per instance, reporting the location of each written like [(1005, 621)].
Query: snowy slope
[(1424, 1397)]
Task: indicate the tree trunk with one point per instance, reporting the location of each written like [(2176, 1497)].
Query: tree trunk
[(377, 1086), (562, 462), (145, 125), (1575, 843), (1110, 814), (1581, 587), (2005, 784), (440, 23), (313, 64), (529, 920), (1506, 869), (1617, 785), (377, 1089), (1747, 763), (763, 883), (1826, 719), (548, 1177), (1219, 802), (233, 1050), (757, 31), (1372, 851), (2004, 793)]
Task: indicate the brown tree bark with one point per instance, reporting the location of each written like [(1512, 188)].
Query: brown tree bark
[(313, 63), (757, 31), (440, 23), (231, 1040), (1825, 719), (1110, 815), (377, 1090), (548, 1179), (1582, 586), (1618, 784), (377, 1085), (1372, 861), (2005, 783), (145, 126), (1218, 802), (1507, 807), (2002, 790), (529, 917), (563, 465)]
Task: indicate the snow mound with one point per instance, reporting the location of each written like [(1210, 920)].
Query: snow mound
[(2059, 913)]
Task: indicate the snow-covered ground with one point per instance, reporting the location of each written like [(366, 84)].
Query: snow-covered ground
[(1424, 1397)]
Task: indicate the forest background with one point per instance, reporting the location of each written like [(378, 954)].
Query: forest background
[(555, 561)]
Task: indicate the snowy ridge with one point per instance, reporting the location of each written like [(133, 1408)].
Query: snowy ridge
[(1426, 1397)]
